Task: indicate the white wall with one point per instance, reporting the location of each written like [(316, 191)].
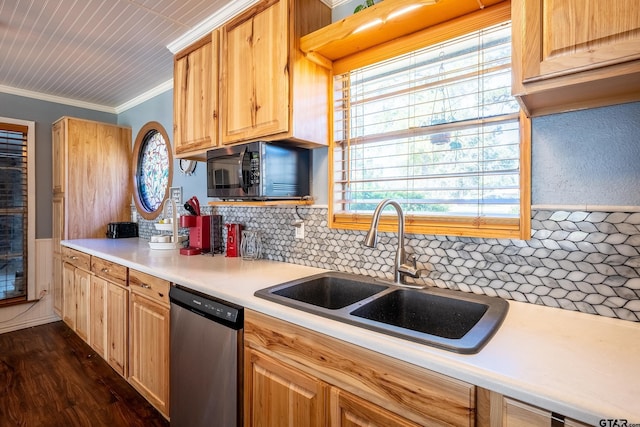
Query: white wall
[(34, 313)]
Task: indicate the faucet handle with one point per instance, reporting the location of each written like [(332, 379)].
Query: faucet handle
[(409, 267)]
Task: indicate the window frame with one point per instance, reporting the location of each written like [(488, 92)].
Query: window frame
[(140, 140), (491, 227), (31, 211)]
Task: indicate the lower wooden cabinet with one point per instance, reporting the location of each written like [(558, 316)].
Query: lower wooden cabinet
[(149, 338), (109, 320), (69, 295), (124, 316), (98, 315), (292, 373), (75, 283), (348, 410), (56, 285), (118, 328), (275, 392), (496, 410)]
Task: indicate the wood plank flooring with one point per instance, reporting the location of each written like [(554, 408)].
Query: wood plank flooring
[(50, 377)]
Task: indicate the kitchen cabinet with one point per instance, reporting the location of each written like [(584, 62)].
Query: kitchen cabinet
[(270, 90), (149, 338), (58, 227), (76, 280), (109, 313), (496, 410), (348, 410), (572, 54), (88, 192), (98, 315), (195, 98), (281, 357), (279, 392)]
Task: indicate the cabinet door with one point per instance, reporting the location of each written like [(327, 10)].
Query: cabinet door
[(69, 295), (347, 410), (98, 315), (149, 358), (57, 285), (99, 191), (83, 282), (255, 77), (57, 215), (567, 36), (520, 414), (57, 144), (195, 98), (278, 395), (117, 327)]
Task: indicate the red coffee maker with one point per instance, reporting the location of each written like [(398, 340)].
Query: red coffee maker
[(199, 233), (234, 232)]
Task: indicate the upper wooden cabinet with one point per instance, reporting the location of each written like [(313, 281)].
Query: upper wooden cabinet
[(270, 90), (574, 54), (195, 99), (90, 192)]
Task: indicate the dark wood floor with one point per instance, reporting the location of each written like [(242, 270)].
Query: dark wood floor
[(50, 377)]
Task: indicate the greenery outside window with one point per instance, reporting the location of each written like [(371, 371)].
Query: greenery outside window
[(153, 170), (437, 130)]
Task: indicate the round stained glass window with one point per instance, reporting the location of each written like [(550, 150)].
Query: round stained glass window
[(153, 175), (153, 170)]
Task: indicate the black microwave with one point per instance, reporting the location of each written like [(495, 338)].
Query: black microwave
[(259, 171)]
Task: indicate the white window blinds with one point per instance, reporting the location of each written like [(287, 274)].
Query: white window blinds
[(13, 211), (436, 129)]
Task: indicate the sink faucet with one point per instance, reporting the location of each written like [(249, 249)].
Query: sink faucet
[(401, 268)]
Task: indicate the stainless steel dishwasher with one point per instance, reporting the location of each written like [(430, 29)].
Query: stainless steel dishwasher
[(206, 360)]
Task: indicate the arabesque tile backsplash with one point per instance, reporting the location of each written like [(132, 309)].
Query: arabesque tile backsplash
[(583, 261)]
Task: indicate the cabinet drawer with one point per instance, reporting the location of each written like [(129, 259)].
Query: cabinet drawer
[(110, 271), (76, 258), (149, 286)]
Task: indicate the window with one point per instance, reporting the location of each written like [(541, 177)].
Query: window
[(153, 169), (17, 211), (437, 130)]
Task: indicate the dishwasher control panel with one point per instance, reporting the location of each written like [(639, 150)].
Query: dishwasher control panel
[(207, 306)]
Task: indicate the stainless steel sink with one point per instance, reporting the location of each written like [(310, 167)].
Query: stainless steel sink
[(453, 320)]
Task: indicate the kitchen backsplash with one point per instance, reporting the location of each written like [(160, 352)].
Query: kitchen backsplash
[(584, 261)]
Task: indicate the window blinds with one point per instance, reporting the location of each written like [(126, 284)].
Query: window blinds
[(436, 129), (13, 211)]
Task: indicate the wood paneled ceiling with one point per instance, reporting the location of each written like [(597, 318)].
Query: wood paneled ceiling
[(104, 53)]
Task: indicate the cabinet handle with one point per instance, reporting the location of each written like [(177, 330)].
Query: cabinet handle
[(73, 258), (144, 285), (105, 270)]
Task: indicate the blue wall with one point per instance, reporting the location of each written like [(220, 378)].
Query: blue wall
[(589, 157)]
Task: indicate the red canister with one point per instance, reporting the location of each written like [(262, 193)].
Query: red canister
[(234, 233)]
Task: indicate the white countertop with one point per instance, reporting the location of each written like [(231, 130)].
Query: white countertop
[(583, 366)]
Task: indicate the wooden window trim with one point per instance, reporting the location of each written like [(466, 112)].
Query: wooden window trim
[(514, 228)]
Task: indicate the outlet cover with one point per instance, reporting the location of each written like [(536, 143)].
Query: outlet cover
[(300, 231)]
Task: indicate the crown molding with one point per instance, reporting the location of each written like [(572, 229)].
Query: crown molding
[(161, 88), (227, 12), (56, 99)]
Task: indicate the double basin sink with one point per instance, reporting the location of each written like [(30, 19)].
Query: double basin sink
[(451, 320)]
